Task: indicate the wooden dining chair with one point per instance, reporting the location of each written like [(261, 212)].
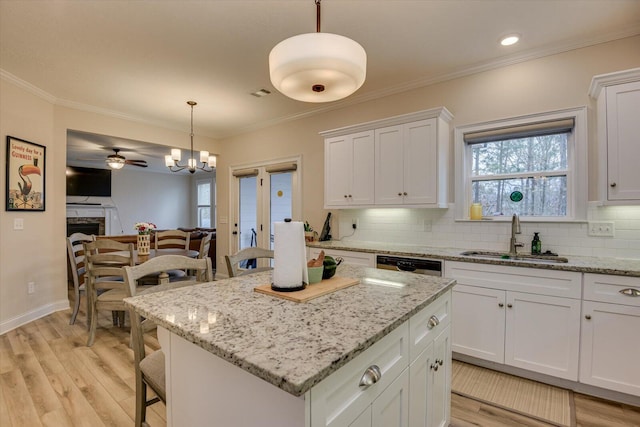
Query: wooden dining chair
[(233, 261), (172, 239), (75, 255), (205, 244), (149, 368), (106, 288)]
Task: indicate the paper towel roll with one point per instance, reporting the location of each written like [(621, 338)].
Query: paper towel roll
[(289, 257)]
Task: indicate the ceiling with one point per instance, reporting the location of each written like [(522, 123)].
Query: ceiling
[(142, 60)]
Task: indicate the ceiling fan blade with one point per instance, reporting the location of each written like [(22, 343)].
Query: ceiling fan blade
[(140, 163)]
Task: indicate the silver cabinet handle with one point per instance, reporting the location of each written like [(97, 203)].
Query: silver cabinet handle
[(433, 322), (434, 366), (630, 292), (613, 184), (510, 305), (399, 194), (588, 317), (500, 304), (345, 196), (371, 376), (405, 193)]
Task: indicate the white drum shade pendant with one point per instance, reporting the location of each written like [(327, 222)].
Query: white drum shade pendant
[(317, 67)]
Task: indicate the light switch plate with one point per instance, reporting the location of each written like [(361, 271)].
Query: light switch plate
[(601, 229), (18, 224)]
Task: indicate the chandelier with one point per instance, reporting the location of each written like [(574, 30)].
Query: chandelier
[(172, 160), (317, 67)]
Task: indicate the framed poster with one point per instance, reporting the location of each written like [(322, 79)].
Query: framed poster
[(25, 175)]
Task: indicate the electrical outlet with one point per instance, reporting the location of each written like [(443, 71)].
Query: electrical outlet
[(354, 223), (31, 288), (601, 229), (18, 224)]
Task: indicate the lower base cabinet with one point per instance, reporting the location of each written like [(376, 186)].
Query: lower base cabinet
[(430, 384), (610, 344), (503, 315), (415, 383)]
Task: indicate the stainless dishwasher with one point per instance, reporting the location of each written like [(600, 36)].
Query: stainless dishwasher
[(430, 267)]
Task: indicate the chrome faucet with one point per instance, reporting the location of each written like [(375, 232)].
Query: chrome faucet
[(515, 229)]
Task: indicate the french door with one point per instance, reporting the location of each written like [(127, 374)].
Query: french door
[(263, 194)]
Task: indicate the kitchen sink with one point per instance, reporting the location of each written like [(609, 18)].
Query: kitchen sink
[(552, 259)]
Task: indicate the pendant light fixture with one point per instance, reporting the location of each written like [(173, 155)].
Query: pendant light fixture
[(172, 160), (317, 67)]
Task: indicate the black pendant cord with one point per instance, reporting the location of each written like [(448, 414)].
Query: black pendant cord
[(317, 16)]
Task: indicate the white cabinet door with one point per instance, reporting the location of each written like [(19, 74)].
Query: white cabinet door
[(421, 387), (363, 420), (543, 334), (430, 384), (391, 408), (440, 399), (623, 149), (420, 163), (407, 164), (610, 348), (338, 157), (363, 172), (478, 322), (389, 165), (349, 170)]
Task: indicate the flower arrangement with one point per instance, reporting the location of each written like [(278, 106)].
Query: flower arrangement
[(144, 227)]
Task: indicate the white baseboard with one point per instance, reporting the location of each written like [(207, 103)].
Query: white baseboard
[(32, 315)]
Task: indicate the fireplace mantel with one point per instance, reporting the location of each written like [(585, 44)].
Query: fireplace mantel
[(93, 211)]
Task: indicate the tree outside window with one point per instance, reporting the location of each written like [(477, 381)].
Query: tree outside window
[(535, 166)]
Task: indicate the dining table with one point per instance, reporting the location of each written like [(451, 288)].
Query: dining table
[(164, 276)]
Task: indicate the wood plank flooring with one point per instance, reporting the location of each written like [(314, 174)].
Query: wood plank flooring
[(48, 377)]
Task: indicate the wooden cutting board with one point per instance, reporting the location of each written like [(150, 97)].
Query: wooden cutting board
[(311, 291)]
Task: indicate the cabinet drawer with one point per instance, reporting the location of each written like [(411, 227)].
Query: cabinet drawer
[(339, 398), (349, 257), (520, 279), (428, 323), (613, 289)]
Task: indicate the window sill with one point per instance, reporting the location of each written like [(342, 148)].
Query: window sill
[(504, 219)]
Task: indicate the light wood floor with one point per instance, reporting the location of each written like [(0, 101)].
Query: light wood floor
[(48, 377)]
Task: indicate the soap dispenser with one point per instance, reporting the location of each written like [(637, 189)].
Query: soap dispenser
[(536, 245)]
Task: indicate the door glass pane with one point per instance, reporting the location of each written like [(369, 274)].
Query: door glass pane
[(247, 212), (280, 199)]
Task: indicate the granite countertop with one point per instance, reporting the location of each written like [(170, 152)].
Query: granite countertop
[(583, 264), (291, 345)]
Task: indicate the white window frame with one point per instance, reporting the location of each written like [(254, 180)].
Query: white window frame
[(577, 151), (211, 180)]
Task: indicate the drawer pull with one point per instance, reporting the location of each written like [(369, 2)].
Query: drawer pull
[(630, 292), (433, 322), (434, 366), (500, 304), (371, 376), (587, 316)]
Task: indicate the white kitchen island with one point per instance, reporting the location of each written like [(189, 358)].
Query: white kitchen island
[(235, 357)]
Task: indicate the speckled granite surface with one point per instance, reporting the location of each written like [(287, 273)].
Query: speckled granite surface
[(616, 266), (291, 345)]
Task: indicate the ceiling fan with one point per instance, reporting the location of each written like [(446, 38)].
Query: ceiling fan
[(116, 161)]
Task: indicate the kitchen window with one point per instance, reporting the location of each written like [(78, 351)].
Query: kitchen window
[(533, 166)]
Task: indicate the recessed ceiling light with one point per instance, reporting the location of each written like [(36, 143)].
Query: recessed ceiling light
[(510, 39)]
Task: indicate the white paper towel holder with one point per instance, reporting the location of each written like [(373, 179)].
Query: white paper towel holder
[(302, 286)]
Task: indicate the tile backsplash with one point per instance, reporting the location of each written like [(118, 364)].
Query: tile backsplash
[(437, 228)]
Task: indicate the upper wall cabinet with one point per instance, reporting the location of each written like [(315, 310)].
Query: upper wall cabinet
[(399, 161), (618, 100), (350, 180)]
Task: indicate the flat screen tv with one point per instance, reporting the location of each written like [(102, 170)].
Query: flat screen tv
[(88, 182)]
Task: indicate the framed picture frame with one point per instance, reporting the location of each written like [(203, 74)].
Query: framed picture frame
[(26, 163)]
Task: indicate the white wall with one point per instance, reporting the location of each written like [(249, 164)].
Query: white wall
[(163, 199)]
